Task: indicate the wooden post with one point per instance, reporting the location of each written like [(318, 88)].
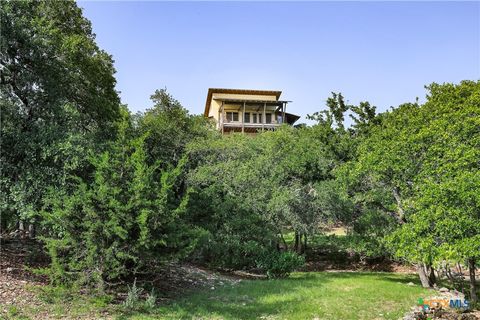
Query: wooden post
[(284, 107), (263, 116), (243, 118), (222, 118)]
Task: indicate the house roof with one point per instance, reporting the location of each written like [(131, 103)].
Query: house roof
[(291, 118), (211, 91)]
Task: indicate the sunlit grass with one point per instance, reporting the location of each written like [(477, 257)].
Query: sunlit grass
[(341, 295), (312, 295)]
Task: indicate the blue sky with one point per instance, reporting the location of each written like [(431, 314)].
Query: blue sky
[(382, 52)]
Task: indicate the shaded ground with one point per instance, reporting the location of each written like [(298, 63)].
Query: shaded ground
[(25, 294), (191, 292), (16, 256), (319, 260)]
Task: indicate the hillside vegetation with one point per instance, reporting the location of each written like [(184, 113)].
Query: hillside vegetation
[(113, 197)]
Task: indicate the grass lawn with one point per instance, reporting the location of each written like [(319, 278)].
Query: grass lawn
[(311, 295), (342, 295)]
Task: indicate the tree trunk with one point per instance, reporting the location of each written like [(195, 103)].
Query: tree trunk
[(423, 275), (31, 230), (431, 277), (305, 243), (462, 278), (398, 199), (297, 241), (473, 287), (301, 248)]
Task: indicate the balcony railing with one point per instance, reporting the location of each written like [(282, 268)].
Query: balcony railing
[(268, 115)]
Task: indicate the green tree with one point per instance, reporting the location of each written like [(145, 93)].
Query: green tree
[(248, 191), (407, 168), (57, 100), (170, 128), (445, 207), (123, 219)]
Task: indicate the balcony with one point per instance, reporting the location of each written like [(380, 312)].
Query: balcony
[(252, 116)]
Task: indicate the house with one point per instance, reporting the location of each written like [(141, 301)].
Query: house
[(247, 111)]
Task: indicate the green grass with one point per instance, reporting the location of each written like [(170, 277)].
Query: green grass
[(341, 295), (313, 295)]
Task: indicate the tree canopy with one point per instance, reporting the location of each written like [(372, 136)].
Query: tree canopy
[(114, 194)]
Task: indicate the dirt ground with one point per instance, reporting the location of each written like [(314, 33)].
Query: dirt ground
[(19, 284), (16, 256)]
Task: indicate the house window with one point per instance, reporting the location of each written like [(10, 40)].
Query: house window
[(268, 118), (254, 118), (246, 117), (232, 116)]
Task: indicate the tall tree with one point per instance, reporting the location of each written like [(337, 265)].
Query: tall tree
[(57, 99), (417, 153), (445, 210), (124, 218), (169, 128)]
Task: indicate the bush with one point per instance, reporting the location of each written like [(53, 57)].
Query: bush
[(151, 300), (280, 264), (124, 218), (133, 296), (134, 301)]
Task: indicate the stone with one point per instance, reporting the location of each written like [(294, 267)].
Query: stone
[(443, 289), (410, 284)]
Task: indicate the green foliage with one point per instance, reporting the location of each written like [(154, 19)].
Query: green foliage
[(444, 220), (280, 264), (58, 101), (245, 191), (123, 219), (151, 300), (135, 302), (169, 128), (419, 166), (133, 296), (369, 232)]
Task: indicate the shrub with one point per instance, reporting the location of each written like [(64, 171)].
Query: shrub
[(134, 301), (133, 296), (280, 264), (123, 218), (151, 300)]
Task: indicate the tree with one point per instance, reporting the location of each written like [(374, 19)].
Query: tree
[(418, 153), (169, 128), (378, 177), (278, 172), (124, 219), (445, 204), (57, 99)]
